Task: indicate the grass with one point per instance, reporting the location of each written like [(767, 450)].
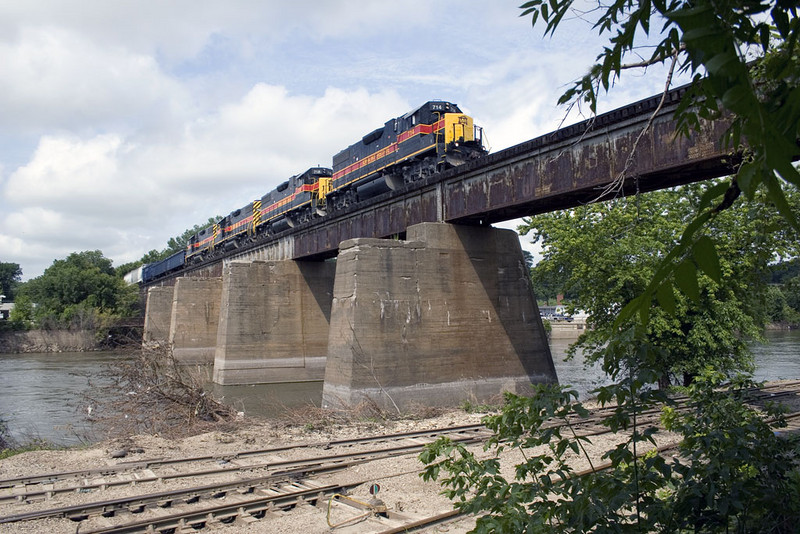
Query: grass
[(35, 445)]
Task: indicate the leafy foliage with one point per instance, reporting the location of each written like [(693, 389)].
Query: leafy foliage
[(10, 277), (783, 297), (605, 254), (732, 473), (80, 291)]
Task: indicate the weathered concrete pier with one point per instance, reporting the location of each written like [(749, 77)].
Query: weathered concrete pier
[(158, 315), (448, 314), (194, 319), (444, 316), (274, 320)]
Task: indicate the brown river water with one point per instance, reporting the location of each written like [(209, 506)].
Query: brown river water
[(41, 394)]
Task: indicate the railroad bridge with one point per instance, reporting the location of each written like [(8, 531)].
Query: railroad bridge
[(426, 303)]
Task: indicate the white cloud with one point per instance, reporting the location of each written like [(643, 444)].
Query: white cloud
[(247, 147), (55, 79), (123, 123), (180, 29), (124, 197)]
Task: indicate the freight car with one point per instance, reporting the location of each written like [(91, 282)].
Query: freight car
[(406, 149), (173, 263), (134, 276)]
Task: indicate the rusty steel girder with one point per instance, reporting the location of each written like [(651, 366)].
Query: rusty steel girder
[(595, 163)]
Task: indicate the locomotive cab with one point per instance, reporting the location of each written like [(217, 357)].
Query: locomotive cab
[(307, 188), (424, 141), (457, 136)]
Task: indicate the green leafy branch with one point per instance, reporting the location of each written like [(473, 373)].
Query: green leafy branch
[(743, 57)]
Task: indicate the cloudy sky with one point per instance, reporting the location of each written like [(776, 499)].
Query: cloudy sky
[(123, 123)]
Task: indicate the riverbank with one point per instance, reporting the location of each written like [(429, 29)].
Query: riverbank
[(28, 341), (122, 333)]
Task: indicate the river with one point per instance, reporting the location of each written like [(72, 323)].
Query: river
[(41, 394)]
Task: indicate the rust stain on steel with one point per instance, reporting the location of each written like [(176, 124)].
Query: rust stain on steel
[(569, 174)]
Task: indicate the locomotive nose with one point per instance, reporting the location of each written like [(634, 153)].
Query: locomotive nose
[(458, 128)]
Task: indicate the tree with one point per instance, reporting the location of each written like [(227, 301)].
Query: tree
[(77, 291), (606, 254), (785, 292), (10, 277), (785, 270), (792, 293)]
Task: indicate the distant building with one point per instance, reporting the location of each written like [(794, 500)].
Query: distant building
[(5, 310)]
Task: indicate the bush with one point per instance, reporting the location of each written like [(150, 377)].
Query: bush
[(732, 474), (154, 394)]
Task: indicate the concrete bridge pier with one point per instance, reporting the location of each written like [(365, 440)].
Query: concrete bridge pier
[(274, 322), (446, 316), (194, 320), (158, 314)]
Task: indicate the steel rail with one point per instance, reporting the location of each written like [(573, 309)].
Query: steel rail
[(49, 478), (301, 468), (227, 512)]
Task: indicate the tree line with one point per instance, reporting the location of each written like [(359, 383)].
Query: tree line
[(83, 291)]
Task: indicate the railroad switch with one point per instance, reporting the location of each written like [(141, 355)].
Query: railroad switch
[(373, 507)]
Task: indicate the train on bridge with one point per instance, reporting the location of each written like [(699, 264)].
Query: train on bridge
[(424, 141)]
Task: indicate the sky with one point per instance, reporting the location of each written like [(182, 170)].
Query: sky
[(123, 123)]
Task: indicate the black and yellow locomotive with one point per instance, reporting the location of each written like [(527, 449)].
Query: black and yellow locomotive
[(412, 147), (291, 203), (419, 144)]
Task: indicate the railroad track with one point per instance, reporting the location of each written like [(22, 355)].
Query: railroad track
[(255, 482), (142, 471), (279, 474), (241, 508)]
